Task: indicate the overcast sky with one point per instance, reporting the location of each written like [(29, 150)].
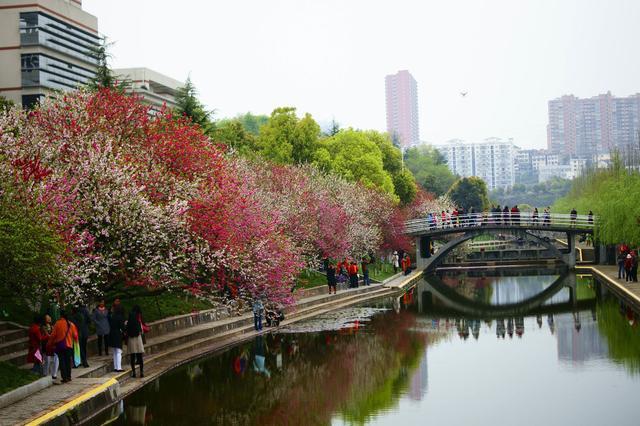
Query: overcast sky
[(329, 57)]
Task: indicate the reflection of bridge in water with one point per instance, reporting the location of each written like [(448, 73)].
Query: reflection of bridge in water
[(436, 297)]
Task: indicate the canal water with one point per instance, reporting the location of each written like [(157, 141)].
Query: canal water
[(539, 347)]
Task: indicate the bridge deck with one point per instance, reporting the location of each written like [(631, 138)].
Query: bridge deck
[(435, 225)]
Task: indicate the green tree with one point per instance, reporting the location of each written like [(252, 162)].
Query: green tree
[(470, 192), (235, 135), (252, 123), (405, 187), (286, 139), (430, 169), (105, 77), (354, 156), (403, 180), (29, 250), (188, 104), (5, 104)]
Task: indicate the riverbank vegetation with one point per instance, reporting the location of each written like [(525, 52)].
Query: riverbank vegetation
[(612, 195)]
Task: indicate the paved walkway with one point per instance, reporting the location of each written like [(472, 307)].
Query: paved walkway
[(192, 342), (609, 273)]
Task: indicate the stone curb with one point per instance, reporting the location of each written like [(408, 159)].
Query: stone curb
[(24, 391)]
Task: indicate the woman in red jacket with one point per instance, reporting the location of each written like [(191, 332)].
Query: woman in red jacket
[(36, 338)]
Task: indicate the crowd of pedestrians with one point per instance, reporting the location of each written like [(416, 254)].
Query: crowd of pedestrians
[(497, 215), (58, 340)]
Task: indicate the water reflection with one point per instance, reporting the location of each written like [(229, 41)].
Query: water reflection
[(414, 359)]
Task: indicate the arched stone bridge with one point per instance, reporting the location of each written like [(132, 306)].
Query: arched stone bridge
[(466, 227)]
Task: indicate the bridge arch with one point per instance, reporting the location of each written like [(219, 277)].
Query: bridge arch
[(430, 263)]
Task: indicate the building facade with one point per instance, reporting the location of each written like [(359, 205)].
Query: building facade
[(569, 170), (402, 108), (154, 89), (588, 127), (45, 46), (527, 164), (491, 160)]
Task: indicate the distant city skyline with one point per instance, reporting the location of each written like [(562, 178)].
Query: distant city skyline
[(595, 125), (329, 58)]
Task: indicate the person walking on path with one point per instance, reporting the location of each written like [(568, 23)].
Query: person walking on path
[(395, 260), (620, 259), (116, 335), (406, 264), (353, 275), (573, 216), (35, 355), (365, 271), (51, 362), (331, 277), (628, 265), (135, 345), (81, 318), (100, 318), (258, 308), (61, 341)]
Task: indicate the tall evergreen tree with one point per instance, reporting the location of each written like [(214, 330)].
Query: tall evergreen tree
[(105, 77), (190, 106)]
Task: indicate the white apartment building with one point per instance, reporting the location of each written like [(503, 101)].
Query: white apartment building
[(565, 171), (491, 160)]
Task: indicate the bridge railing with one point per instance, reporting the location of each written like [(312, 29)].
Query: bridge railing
[(437, 223)]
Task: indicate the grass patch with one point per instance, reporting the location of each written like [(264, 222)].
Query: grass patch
[(380, 271), (167, 304), (310, 279), (12, 377)]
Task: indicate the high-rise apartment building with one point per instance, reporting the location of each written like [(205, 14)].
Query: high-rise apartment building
[(154, 89), (45, 45), (491, 160), (402, 108), (588, 127)]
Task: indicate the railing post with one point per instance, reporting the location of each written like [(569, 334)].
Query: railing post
[(570, 258)]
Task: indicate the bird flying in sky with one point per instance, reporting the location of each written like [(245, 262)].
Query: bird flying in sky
[(463, 94)]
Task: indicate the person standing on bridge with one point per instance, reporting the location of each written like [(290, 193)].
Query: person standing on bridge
[(534, 217), (455, 214), (505, 215), (547, 216), (590, 218), (515, 215), (574, 216)]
